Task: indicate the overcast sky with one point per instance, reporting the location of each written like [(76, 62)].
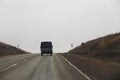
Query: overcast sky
[(28, 22)]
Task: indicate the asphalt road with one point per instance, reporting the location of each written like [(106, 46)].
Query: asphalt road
[(37, 67)]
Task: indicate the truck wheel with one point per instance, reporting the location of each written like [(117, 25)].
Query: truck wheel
[(50, 54), (41, 54)]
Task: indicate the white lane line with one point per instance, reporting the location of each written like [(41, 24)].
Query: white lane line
[(25, 60), (76, 68), (13, 65)]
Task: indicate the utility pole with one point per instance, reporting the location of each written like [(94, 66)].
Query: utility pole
[(71, 45), (18, 46)]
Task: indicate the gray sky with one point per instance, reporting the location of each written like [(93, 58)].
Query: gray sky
[(28, 22)]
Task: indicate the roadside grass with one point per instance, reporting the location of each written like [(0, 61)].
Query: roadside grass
[(95, 68)]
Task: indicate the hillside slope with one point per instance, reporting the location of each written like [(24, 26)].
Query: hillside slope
[(104, 47), (9, 50)]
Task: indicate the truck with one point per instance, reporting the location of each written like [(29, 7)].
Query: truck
[(46, 48)]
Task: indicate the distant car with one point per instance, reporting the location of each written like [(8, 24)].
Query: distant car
[(46, 48)]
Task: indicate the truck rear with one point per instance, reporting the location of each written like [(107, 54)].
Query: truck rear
[(46, 48)]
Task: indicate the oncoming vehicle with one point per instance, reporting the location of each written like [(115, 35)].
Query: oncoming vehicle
[(46, 48)]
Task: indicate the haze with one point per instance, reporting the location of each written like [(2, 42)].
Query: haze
[(64, 22)]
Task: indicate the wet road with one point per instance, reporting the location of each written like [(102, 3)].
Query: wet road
[(36, 67)]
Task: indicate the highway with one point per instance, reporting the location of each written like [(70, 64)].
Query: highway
[(37, 67)]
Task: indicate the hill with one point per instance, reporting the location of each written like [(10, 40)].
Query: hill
[(6, 49), (107, 47)]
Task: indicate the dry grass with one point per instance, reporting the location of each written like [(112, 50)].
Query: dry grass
[(104, 47), (96, 69), (9, 50)]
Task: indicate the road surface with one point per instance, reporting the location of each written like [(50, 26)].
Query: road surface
[(36, 67)]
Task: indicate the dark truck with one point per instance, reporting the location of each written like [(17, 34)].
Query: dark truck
[(46, 48)]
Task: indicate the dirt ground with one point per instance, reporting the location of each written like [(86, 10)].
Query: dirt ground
[(94, 68)]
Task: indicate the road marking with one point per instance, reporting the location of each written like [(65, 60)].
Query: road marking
[(25, 60), (76, 68), (13, 65)]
